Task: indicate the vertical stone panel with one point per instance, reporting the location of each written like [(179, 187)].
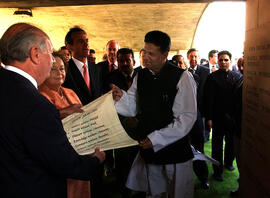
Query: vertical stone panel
[(255, 156), (251, 16), (264, 12)]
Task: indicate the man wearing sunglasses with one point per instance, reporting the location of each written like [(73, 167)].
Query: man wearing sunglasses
[(218, 93)]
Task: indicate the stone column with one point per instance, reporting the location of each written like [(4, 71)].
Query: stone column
[(255, 153)]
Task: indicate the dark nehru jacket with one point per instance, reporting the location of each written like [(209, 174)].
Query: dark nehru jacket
[(219, 89), (156, 98)]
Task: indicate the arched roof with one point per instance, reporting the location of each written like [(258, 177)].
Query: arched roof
[(126, 21)]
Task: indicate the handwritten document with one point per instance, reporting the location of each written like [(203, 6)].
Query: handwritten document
[(98, 126)]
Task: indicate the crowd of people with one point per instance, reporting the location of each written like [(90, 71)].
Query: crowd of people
[(174, 104)]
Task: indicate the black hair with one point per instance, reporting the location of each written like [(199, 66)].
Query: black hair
[(191, 50), (226, 53), (211, 53), (125, 51), (63, 48), (160, 39), (68, 38)]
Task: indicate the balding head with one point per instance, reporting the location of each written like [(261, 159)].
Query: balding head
[(112, 47), (17, 41), (28, 48)]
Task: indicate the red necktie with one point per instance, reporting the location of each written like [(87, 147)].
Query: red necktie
[(86, 76)]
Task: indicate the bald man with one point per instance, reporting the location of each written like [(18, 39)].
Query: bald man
[(110, 64), (36, 156)]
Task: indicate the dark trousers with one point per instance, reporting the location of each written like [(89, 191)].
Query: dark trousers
[(97, 185), (197, 141), (206, 131), (221, 130), (109, 161), (124, 158)]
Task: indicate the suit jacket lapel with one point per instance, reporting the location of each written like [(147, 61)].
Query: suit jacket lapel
[(92, 74), (78, 76)]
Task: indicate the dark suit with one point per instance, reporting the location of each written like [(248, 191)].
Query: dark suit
[(208, 66), (118, 78), (219, 89), (124, 157), (202, 72), (75, 81), (36, 156), (197, 131), (104, 67)]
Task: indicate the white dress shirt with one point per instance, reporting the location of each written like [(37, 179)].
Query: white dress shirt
[(80, 65), (211, 66), (22, 73)]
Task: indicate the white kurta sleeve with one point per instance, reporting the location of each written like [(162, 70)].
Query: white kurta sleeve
[(127, 105), (184, 112)]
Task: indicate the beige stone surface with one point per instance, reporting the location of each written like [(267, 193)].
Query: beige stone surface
[(255, 152), (252, 16), (264, 12), (127, 23)]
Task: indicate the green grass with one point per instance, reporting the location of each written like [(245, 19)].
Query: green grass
[(217, 189)]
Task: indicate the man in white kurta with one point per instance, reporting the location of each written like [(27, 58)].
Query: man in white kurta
[(162, 180)]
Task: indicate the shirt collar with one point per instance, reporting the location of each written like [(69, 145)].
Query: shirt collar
[(79, 64), (115, 63), (22, 73), (210, 65)]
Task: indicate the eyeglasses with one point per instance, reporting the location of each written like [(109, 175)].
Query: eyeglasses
[(221, 60)]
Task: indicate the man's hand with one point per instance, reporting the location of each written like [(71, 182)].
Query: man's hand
[(74, 108), (146, 143), (99, 154), (117, 92)]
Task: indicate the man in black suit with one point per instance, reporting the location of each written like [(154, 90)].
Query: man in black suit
[(200, 74), (36, 156), (110, 64), (212, 67), (85, 79), (122, 78), (80, 68), (219, 89), (106, 68), (212, 64)]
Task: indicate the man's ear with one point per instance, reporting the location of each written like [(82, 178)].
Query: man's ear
[(34, 54)]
